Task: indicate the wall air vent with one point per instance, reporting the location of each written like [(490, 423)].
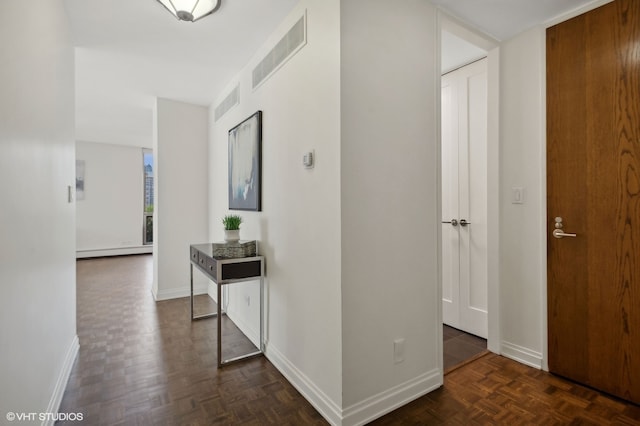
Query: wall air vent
[(229, 102), (288, 46)]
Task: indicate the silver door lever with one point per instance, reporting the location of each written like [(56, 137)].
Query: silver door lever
[(559, 233), (453, 222)]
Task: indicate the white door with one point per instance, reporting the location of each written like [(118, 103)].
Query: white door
[(464, 198)]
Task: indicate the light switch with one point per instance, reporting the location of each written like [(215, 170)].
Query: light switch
[(308, 159), (398, 351), (517, 195)]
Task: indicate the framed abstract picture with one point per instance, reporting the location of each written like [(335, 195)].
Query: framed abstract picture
[(245, 164)]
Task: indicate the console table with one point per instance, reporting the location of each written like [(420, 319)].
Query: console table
[(224, 272)]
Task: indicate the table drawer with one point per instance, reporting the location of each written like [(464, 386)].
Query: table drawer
[(194, 254), (202, 260), (236, 271), (211, 266)]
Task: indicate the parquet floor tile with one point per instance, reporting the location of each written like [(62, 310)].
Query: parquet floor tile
[(494, 390), (145, 363)]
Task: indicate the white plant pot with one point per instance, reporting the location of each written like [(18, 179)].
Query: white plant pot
[(232, 235)]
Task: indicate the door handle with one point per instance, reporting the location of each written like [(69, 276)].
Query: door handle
[(559, 233), (453, 222), (463, 222)]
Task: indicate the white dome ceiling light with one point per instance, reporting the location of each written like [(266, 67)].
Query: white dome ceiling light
[(190, 10)]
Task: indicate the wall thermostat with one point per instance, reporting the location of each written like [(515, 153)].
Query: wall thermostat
[(308, 160)]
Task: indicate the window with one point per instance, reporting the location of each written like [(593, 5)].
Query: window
[(147, 163)]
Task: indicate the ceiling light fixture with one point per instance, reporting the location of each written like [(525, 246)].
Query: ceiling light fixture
[(190, 10)]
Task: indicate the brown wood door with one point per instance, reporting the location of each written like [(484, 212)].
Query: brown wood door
[(593, 184)]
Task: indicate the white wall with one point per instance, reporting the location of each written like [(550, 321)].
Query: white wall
[(367, 104), (110, 217), (299, 226), (37, 223), (181, 194), (522, 226), (387, 159), (390, 210)]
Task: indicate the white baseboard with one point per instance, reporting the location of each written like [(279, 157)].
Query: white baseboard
[(362, 412), (176, 293), (378, 405), (320, 401), (63, 378), (118, 251), (521, 354)]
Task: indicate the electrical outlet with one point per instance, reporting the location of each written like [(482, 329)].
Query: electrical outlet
[(248, 300), (398, 351)]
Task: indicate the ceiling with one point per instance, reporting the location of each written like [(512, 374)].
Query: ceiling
[(129, 52), (502, 19), (457, 52)]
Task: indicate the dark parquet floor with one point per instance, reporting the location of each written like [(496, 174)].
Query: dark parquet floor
[(494, 390), (144, 363)]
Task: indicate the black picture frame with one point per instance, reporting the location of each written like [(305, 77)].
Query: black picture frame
[(245, 164)]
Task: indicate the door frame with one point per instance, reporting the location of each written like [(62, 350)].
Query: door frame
[(458, 28)]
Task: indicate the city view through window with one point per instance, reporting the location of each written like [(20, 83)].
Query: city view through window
[(147, 161)]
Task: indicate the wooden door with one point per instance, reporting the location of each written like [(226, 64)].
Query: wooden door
[(464, 198), (593, 184)]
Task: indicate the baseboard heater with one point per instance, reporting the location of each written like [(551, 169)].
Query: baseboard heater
[(116, 251)]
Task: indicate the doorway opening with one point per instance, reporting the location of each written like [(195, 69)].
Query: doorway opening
[(468, 210)]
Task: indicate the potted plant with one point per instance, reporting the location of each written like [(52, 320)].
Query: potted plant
[(231, 224)]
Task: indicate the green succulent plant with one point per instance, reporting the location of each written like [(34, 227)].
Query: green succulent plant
[(231, 222)]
